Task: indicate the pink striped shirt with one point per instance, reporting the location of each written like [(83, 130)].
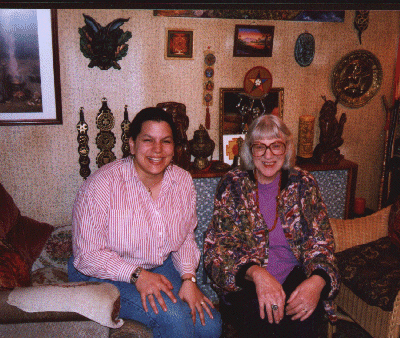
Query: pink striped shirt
[(117, 226)]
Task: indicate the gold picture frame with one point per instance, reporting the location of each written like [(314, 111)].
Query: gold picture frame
[(230, 119), (179, 44)]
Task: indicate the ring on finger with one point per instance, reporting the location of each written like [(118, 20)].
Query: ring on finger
[(201, 303), (274, 307)]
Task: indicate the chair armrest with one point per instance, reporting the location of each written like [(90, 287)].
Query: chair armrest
[(10, 314), (352, 232)]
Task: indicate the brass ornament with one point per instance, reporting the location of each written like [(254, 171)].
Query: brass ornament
[(361, 22), (83, 147), (105, 139), (125, 128), (356, 78), (201, 147)]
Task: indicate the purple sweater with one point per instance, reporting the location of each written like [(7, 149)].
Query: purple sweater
[(281, 258)]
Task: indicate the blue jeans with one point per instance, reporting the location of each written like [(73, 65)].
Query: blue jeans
[(174, 323)]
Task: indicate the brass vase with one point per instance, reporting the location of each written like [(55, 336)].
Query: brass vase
[(201, 147)]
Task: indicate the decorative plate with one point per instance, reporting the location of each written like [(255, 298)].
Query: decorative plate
[(356, 78), (257, 82), (209, 59), (304, 49)]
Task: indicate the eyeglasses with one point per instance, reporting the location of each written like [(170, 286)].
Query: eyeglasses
[(259, 149)]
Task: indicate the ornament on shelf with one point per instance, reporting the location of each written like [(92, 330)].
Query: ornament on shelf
[(306, 137), (201, 147), (181, 120), (330, 136), (209, 61), (83, 148), (105, 139)]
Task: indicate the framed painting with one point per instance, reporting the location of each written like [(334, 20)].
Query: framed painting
[(30, 90), (231, 147), (253, 41), (231, 119), (179, 44)]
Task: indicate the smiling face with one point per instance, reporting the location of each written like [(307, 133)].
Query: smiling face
[(153, 150), (268, 165)]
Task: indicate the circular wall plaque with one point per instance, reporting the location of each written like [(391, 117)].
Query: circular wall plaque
[(356, 78), (304, 49), (257, 82)]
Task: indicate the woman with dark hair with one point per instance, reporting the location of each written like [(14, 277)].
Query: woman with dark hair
[(133, 226), (269, 247)]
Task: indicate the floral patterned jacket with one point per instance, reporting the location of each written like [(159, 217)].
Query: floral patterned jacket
[(237, 235)]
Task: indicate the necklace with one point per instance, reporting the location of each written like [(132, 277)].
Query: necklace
[(277, 200)]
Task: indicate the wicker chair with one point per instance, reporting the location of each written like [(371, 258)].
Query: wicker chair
[(349, 233)]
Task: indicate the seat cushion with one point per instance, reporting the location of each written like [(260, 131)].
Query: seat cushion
[(372, 272)]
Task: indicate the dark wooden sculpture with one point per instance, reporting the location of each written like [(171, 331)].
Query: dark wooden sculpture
[(104, 46), (330, 138), (181, 120)]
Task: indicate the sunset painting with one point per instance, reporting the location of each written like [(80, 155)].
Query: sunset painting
[(253, 41)]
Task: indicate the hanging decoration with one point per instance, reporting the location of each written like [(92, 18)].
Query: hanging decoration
[(104, 46), (105, 139), (209, 61), (356, 78), (83, 147), (257, 84), (124, 136), (304, 49), (361, 22)]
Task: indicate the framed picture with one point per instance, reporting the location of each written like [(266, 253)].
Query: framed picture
[(232, 100), (179, 44), (231, 146), (253, 41), (30, 90)]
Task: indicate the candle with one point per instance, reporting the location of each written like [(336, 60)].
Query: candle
[(306, 136), (359, 206)]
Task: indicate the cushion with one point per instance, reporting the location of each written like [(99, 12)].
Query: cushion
[(58, 248), (9, 212), (99, 302), (394, 223), (14, 271), (372, 272), (29, 237)]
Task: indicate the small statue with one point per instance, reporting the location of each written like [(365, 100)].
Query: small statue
[(330, 138), (201, 147), (181, 120)]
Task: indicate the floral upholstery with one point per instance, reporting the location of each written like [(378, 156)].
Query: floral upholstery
[(57, 250), (372, 272)]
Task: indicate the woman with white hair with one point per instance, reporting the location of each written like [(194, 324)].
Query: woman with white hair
[(269, 247)]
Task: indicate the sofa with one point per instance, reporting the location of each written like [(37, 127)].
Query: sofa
[(36, 299)]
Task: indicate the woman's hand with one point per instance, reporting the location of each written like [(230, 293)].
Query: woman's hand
[(304, 299), (149, 285), (191, 294), (269, 293)]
